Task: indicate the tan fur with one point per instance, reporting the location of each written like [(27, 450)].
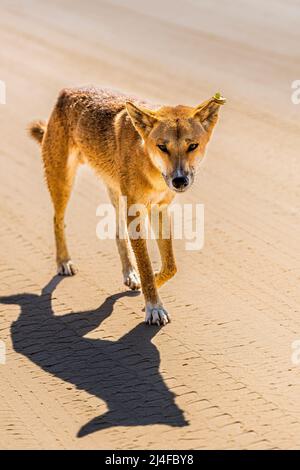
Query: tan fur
[(118, 136), (37, 130)]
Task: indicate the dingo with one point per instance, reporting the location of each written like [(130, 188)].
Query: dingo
[(144, 152)]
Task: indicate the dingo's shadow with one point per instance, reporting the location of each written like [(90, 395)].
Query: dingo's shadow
[(123, 373)]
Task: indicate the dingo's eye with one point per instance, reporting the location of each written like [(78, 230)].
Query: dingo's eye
[(163, 148), (192, 147)]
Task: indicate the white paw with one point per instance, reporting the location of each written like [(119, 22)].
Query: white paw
[(67, 268), (132, 280), (156, 315)]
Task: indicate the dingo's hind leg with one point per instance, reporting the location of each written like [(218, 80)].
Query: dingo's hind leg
[(60, 171)]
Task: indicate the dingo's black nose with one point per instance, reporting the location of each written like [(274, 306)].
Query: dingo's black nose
[(180, 182)]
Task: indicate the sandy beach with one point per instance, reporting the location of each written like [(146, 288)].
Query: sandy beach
[(82, 371)]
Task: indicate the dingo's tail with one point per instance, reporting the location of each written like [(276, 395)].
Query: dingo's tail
[(37, 130)]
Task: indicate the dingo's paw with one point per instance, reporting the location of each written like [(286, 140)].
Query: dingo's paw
[(132, 280), (67, 268), (156, 315)]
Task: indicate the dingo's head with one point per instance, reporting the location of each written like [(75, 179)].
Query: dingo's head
[(176, 137)]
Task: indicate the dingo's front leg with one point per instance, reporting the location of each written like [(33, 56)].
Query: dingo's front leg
[(168, 268), (130, 275), (165, 246), (155, 312)]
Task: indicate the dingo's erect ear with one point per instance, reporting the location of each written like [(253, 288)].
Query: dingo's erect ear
[(142, 119), (207, 112)]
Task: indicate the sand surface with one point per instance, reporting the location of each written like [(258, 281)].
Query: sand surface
[(220, 375)]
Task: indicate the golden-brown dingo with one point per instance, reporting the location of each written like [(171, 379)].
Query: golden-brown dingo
[(143, 152)]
